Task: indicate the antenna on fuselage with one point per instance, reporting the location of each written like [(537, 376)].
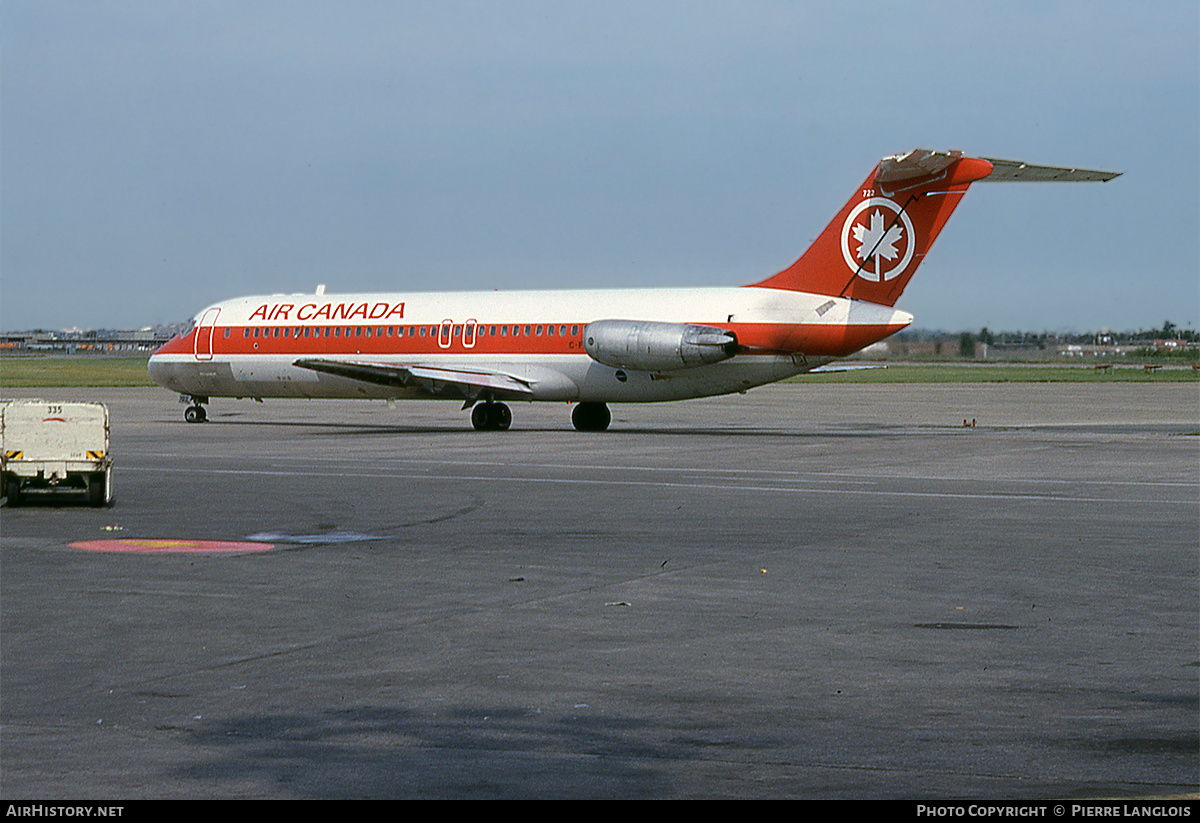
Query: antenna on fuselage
[(320, 289)]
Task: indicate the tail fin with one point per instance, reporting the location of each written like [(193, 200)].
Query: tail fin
[(871, 249), (875, 243)]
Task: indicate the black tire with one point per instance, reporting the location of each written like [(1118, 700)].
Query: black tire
[(97, 486), (491, 417), (591, 417), (501, 416), (11, 491), (195, 414), (481, 419)]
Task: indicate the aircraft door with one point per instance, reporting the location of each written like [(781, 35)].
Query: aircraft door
[(204, 334)]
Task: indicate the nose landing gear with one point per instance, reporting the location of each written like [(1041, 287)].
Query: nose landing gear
[(194, 413)]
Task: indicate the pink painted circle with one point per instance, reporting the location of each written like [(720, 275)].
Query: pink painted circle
[(171, 546)]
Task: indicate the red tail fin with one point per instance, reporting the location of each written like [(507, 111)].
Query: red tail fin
[(871, 249)]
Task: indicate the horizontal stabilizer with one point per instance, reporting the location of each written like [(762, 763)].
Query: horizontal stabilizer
[(1013, 171)]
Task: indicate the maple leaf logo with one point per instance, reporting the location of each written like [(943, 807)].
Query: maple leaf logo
[(884, 233), (876, 241)]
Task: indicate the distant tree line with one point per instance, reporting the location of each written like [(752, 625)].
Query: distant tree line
[(967, 344), (1029, 339)]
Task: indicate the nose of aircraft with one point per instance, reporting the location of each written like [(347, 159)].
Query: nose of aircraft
[(165, 364), (159, 370)]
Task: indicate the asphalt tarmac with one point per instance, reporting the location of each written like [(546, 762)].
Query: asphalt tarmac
[(805, 592)]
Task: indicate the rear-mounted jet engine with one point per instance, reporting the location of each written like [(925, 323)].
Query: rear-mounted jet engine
[(646, 345)]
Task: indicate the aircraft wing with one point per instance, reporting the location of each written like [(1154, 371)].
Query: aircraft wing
[(470, 384)]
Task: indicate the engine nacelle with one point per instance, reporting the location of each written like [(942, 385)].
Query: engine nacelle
[(646, 345)]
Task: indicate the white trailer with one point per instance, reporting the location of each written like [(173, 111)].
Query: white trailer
[(53, 448)]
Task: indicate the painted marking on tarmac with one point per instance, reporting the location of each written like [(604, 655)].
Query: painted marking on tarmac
[(327, 537), (171, 546)]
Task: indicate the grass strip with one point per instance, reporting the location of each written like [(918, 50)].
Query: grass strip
[(72, 372)]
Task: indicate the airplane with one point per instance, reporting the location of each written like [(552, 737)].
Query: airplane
[(591, 348)]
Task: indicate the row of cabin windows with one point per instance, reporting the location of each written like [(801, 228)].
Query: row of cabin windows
[(413, 331)]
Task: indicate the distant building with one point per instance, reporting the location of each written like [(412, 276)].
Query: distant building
[(74, 341), (1095, 350)]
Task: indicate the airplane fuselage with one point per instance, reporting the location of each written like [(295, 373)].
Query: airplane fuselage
[(248, 347)]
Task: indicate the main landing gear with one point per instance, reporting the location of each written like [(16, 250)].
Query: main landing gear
[(491, 417), (591, 417), (586, 417)]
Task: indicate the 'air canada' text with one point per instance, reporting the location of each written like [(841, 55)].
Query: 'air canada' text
[(329, 311)]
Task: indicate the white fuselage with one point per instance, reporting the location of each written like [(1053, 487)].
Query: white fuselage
[(248, 347)]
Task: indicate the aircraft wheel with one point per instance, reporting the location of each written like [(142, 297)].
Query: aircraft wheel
[(479, 417), (195, 414), (491, 417), (591, 417), (501, 416)]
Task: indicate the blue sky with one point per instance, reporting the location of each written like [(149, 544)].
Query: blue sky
[(157, 156)]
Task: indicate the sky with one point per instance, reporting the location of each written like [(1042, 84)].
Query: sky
[(160, 155)]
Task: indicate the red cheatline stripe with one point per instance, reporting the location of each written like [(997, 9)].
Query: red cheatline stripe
[(816, 339), (171, 546), (526, 338)]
